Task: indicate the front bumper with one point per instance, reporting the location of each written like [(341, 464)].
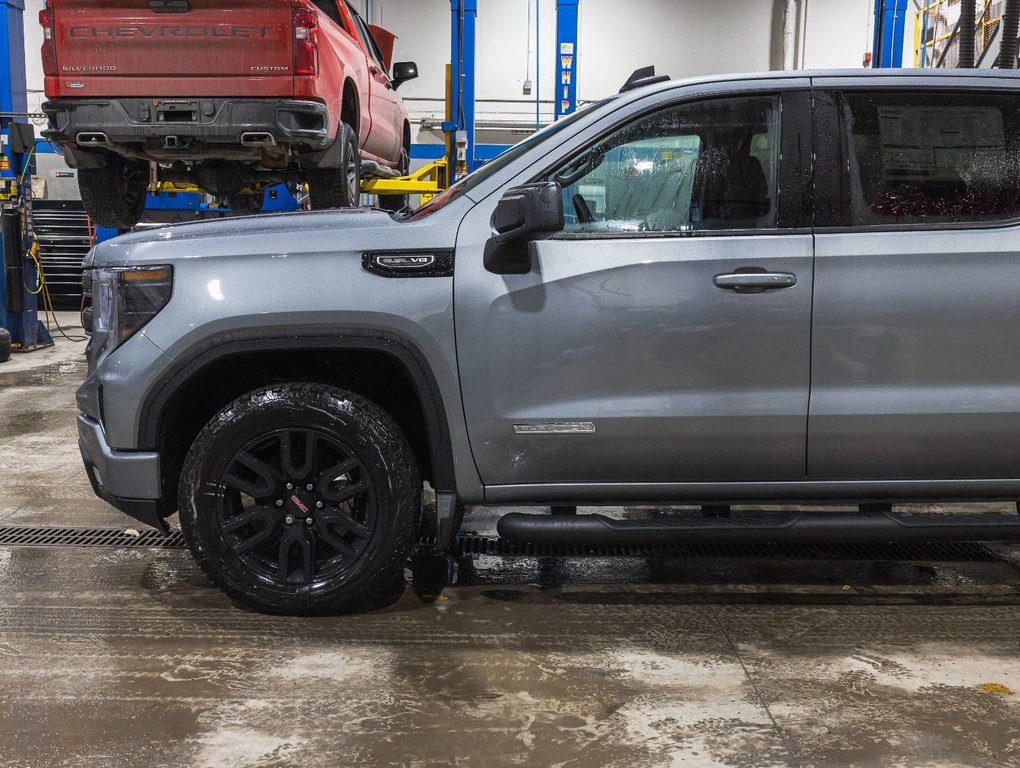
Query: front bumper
[(291, 122), (129, 480)]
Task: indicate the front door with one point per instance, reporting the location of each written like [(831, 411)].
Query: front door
[(664, 335)]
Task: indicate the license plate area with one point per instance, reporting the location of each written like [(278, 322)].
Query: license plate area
[(177, 113)]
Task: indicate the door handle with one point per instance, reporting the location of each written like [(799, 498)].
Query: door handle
[(755, 282), (374, 70)]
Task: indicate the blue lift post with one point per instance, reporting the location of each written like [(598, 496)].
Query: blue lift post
[(890, 26), (462, 57), (566, 57), (18, 277)]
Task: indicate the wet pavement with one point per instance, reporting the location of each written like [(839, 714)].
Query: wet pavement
[(129, 657)]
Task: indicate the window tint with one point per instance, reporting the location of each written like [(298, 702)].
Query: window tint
[(704, 166), (933, 157)]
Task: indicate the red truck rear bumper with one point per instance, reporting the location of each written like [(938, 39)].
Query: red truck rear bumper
[(184, 129)]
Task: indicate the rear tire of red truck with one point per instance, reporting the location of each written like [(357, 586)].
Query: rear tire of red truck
[(114, 196), (338, 187)]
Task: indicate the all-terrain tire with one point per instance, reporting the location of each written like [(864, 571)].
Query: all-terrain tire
[(360, 430), (338, 187), (114, 196), (5, 345), (245, 203)]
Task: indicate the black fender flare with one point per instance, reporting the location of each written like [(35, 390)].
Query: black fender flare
[(158, 398)]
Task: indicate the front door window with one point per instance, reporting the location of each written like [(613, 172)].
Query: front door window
[(705, 166)]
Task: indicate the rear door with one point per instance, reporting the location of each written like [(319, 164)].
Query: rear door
[(663, 336), (184, 48), (915, 365)]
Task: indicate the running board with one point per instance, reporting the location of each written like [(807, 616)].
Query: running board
[(801, 527)]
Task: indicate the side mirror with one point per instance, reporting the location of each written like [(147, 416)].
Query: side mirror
[(402, 72), (527, 210), (522, 213)]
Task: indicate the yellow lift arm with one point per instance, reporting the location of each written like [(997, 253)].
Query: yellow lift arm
[(427, 182)]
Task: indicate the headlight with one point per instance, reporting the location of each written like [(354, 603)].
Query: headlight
[(123, 300)]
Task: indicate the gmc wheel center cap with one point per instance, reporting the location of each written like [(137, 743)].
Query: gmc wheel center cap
[(300, 503)]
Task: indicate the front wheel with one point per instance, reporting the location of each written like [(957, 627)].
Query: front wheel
[(301, 499), (338, 187)]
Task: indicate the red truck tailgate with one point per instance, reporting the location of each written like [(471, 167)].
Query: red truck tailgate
[(199, 48)]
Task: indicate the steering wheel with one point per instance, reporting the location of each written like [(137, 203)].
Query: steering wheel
[(575, 171)]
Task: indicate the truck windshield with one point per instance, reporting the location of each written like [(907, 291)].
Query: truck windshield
[(466, 183)]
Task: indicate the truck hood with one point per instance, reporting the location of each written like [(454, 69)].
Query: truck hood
[(271, 236)]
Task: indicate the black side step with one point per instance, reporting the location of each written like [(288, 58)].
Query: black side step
[(803, 527)]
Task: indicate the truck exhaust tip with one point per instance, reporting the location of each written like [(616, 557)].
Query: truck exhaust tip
[(257, 139), (92, 139)]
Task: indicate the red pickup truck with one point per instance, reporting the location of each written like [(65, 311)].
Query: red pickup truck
[(231, 96)]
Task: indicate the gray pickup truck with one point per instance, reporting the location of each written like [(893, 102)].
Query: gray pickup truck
[(760, 289)]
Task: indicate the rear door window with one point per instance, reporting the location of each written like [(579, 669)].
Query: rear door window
[(933, 158)]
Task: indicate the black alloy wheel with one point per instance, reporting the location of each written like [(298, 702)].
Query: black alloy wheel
[(301, 498), (296, 507)]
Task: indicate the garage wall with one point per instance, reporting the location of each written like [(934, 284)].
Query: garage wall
[(680, 37), (839, 32)]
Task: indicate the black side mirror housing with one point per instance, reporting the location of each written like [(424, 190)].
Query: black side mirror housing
[(402, 72), (528, 210), (522, 213)]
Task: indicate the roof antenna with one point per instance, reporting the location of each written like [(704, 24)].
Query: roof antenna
[(642, 77)]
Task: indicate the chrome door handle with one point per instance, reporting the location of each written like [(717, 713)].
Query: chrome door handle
[(747, 282)]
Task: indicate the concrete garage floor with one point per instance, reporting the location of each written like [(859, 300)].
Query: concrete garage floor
[(129, 657)]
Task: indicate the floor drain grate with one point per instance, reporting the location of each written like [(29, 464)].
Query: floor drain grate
[(473, 544), (26, 536)]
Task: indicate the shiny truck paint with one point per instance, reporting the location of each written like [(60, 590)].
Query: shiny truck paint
[(286, 271)]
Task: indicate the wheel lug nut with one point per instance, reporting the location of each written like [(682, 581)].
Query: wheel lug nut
[(309, 521), (279, 502), (319, 505), (289, 520), (309, 487), (290, 486)]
